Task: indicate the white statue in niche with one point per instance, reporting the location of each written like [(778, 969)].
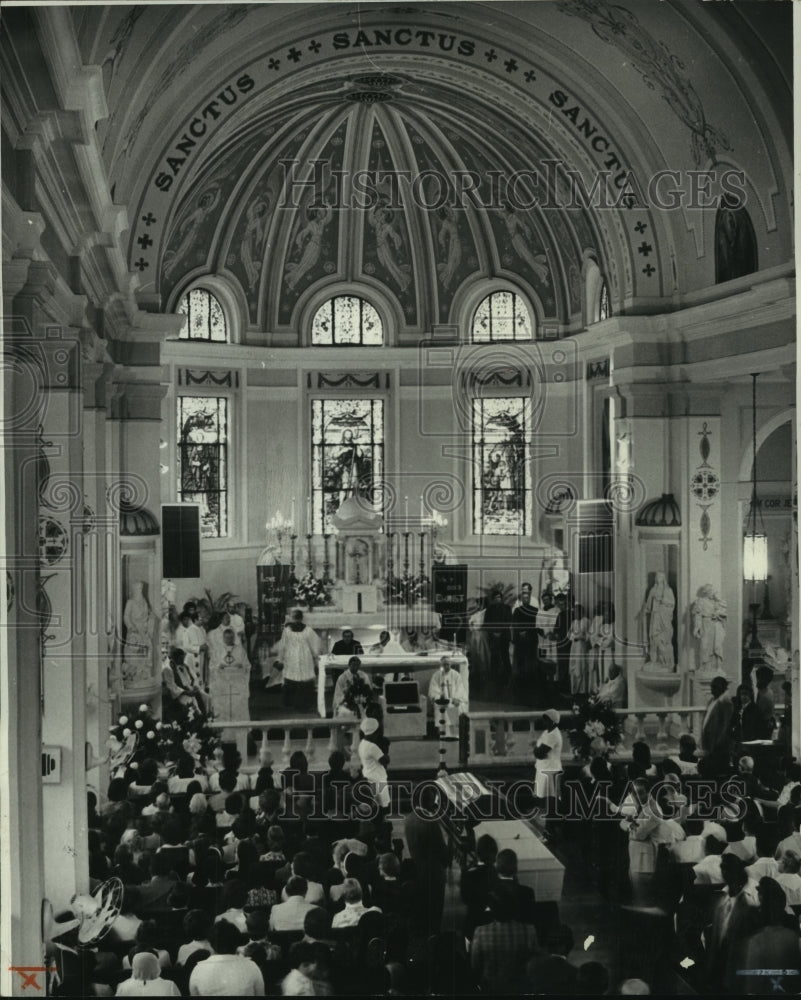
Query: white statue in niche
[(139, 622), (659, 607), (623, 447), (709, 615)]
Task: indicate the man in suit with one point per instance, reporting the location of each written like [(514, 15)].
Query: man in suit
[(477, 884), (290, 916), (746, 723), (734, 919), (521, 897), (775, 946), (428, 850), (716, 728), (550, 973)]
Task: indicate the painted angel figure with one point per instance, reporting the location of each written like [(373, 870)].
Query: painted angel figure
[(309, 242), (450, 244), (189, 228), (253, 239), (388, 242), (521, 236)]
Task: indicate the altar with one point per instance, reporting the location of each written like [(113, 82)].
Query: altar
[(421, 666)]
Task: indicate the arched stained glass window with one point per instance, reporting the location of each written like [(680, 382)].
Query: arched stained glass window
[(501, 316), (347, 320), (205, 317), (604, 309)]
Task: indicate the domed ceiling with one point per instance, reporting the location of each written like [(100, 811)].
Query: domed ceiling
[(371, 182), (239, 136)]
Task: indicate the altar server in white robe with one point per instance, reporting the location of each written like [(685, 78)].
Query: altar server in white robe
[(191, 638), (298, 652), (373, 759), (229, 683), (447, 683)]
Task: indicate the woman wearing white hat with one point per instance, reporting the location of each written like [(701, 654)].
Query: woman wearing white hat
[(548, 753), (373, 759)]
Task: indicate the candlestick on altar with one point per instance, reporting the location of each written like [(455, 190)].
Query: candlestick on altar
[(405, 513), (292, 539), (422, 565), (309, 552), (309, 527), (326, 563), (406, 536)]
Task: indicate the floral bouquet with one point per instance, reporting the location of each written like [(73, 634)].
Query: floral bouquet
[(311, 591), (189, 733), (133, 737), (596, 729), (138, 735), (358, 696)]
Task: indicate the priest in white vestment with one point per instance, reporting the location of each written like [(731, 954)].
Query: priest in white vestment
[(447, 683), (346, 681), (229, 682)]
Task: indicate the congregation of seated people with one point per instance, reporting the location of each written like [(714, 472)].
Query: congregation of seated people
[(704, 855), (286, 884)]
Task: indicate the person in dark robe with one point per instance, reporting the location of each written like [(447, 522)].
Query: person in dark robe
[(561, 633), (346, 646), (525, 641), (498, 626)]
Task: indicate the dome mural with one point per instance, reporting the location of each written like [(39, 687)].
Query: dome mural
[(375, 183)]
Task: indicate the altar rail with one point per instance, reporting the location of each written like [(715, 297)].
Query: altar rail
[(283, 737), (509, 737), (492, 738)]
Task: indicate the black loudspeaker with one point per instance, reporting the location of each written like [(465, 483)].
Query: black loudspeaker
[(596, 554), (180, 541)]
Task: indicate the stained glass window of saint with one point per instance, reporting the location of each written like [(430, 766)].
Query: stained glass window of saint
[(346, 320), (205, 317), (347, 455), (501, 467), (604, 309), (501, 316), (203, 436)]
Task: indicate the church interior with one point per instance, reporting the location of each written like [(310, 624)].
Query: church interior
[(458, 338)]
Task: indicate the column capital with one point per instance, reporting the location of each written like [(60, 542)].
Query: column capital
[(138, 400)]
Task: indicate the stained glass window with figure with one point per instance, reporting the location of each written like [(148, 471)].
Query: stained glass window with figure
[(203, 438), (501, 466), (347, 455)]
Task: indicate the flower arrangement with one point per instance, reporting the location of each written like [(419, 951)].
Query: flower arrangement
[(596, 728), (138, 735), (311, 591), (408, 589), (189, 733), (133, 737), (358, 696)]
